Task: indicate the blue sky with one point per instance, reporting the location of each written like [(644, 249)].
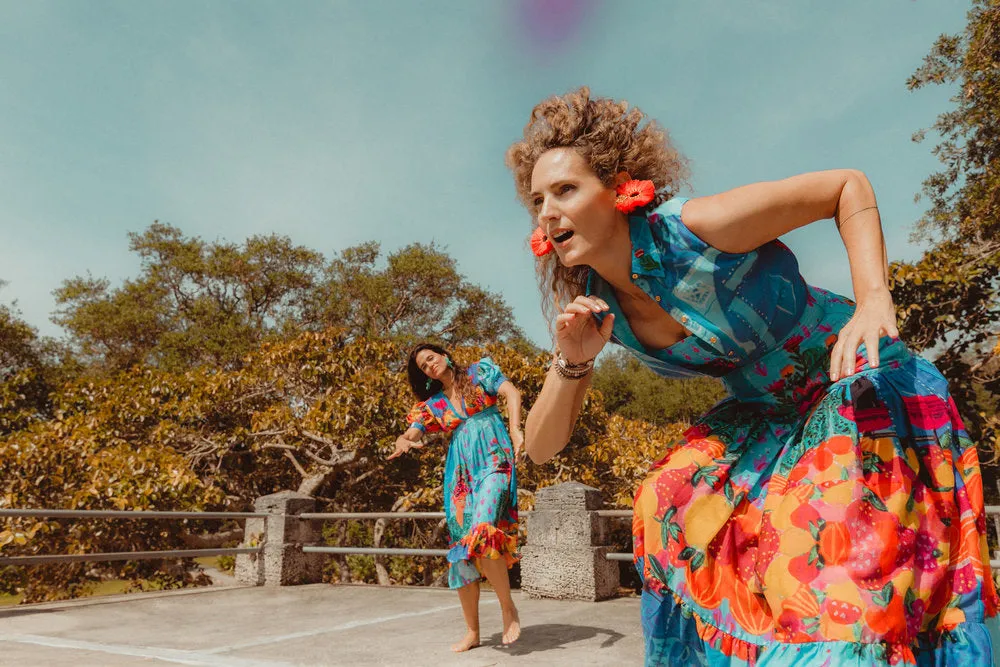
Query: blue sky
[(336, 123)]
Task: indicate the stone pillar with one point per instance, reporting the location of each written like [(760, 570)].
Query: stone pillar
[(564, 557), (281, 561)]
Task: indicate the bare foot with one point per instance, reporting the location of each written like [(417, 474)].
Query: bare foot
[(511, 626), (471, 640)]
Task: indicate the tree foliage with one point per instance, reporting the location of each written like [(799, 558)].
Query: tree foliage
[(418, 294), (30, 367), (73, 462), (632, 390), (948, 301), (193, 303), (198, 303)]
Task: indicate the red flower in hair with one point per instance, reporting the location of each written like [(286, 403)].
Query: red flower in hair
[(540, 243), (633, 195)]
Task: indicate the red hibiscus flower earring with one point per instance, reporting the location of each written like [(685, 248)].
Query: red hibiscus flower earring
[(634, 194), (540, 243)]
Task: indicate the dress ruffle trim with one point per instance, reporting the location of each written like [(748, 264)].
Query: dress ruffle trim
[(485, 541), (723, 641), (970, 638)]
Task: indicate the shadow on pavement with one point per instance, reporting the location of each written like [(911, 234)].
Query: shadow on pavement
[(552, 636)]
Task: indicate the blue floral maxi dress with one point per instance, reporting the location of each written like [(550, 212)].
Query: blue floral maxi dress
[(801, 521), (480, 480)]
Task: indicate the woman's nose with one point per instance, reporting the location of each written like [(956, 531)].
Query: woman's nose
[(547, 211)]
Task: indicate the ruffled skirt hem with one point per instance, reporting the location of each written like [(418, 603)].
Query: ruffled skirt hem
[(484, 541), (676, 634)]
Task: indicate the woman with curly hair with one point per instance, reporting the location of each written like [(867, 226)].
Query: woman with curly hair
[(830, 510), (480, 481)]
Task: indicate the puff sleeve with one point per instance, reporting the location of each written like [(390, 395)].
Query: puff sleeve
[(421, 417), (489, 376)]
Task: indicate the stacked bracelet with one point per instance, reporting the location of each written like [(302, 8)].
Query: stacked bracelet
[(572, 371)]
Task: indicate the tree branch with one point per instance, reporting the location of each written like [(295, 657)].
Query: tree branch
[(295, 462)]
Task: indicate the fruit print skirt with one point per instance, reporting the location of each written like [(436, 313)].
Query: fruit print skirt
[(810, 522)]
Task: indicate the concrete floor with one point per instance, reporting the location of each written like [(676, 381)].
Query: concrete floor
[(311, 625)]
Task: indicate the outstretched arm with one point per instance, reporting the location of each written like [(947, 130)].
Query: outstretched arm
[(745, 218), (411, 439)]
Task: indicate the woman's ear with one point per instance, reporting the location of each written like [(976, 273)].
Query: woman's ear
[(621, 177)]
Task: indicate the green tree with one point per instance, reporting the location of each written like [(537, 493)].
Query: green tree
[(194, 302), (30, 367), (73, 461), (199, 303), (948, 301), (416, 294), (635, 392)]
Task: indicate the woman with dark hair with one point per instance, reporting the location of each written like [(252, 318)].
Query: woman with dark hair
[(480, 482), (830, 510)]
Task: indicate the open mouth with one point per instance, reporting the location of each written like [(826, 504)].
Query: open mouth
[(563, 236)]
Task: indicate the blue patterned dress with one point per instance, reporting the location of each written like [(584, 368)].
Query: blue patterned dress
[(800, 521), (480, 480)]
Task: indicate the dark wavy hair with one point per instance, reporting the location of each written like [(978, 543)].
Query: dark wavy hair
[(419, 380)]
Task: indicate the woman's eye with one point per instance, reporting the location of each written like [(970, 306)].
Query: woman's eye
[(537, 202), (566, 188)]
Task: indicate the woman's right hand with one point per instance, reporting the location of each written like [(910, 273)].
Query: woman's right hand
[(577, 334), (404, 445)]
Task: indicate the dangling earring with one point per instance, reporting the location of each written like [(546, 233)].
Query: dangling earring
[(429, 383), (447, 360)]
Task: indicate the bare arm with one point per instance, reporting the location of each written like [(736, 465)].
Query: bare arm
[(550, 422), (745, 218), (513, 399)]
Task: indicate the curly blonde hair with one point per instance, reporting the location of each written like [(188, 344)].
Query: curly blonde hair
[(613, 138)]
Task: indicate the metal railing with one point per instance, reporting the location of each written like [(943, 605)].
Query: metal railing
[(126, 555), (991, 510), (374, 551), (388, 551), (344, 516), (625, 556), (371, 551)]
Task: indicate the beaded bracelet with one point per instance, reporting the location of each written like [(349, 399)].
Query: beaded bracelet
[(572, 371)]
